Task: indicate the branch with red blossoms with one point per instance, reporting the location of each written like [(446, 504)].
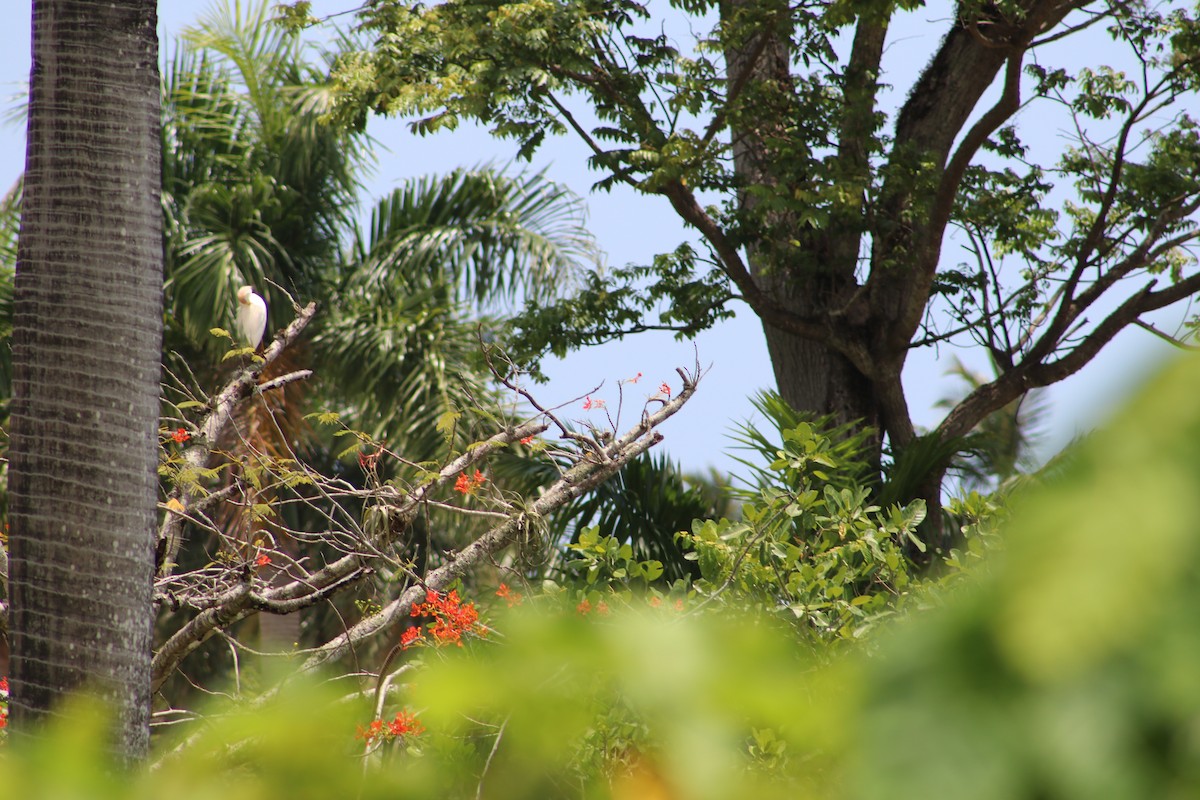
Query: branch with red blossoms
[(265, 579), (246, 594), (222, 595), (591, 467)]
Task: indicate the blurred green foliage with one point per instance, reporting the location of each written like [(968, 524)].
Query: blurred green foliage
[(1065, 669)]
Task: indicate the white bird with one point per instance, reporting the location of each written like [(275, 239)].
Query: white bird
[(251, 316)]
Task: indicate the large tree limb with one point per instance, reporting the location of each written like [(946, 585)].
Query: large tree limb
[(940, 104), (854, 141), (1071, 307), (770, 310), (1031, 375), (246, 597), (1090, 250)]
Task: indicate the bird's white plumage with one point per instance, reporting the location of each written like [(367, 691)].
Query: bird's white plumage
[(251, 315)]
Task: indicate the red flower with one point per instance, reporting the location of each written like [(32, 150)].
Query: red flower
[(602, 608), (371, 732), (655, 602), (584, 607), (408, 637), (451, 617), (509, 596), (467, 485), (180, 436), (262, 560), (528, 439), (405, 725), (4, 685), (589, 403), (665, 389), (634, 379)]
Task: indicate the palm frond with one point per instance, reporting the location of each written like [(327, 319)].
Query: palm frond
[(400, 364), (256, 189), (913, 464), (481, 235), (1002, 445), (10, 223), (646, 504)]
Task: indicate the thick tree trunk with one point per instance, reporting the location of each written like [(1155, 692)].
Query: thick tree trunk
[(86, 348), (810, 375)]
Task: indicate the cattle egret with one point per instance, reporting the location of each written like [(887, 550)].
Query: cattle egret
[(251, 316)]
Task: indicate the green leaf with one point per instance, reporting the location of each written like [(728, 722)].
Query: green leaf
[(446, 423)]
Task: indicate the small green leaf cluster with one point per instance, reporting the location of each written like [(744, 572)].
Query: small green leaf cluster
[(808, 546), (811, 546), (686, 299), (606, 560)]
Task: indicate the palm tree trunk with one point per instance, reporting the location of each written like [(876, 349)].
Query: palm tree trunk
[(86, 343)]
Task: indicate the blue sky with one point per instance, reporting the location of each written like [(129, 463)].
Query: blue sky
[(632, 228)]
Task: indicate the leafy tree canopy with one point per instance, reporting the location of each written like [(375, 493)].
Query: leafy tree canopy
[(763, 124)]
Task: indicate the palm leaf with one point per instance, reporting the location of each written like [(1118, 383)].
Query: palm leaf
[(256, 189), (397, 365), (10, 223), (479, 234)]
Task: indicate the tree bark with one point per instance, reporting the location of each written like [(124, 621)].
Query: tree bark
[(86, 349), (809, 274)]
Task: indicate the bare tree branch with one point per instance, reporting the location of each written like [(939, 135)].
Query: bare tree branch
[(1033, 374), (584, 475), (227, 593)]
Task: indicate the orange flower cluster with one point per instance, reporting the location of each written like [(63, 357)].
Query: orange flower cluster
[(180, 436), (585, 607), (509, 596), (451, 619), (469, 485), (3, 704), (409, 636), (404, 724), (656, 602)]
